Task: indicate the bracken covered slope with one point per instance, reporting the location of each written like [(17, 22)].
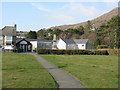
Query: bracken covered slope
[(97, 21)]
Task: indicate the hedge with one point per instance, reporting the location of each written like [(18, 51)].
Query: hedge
[(72, 52), (111, 51)]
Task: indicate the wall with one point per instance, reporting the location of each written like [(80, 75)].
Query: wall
[(88, 45), (81, 46), (44, 45), (34, 45), (61, 44), (72, 46)]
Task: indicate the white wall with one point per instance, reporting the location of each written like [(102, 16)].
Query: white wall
[(81, 46), (8, 38), (61, 44), (34, 44), (8, 47)]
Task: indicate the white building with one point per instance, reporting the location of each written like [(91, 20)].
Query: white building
[(8, 37), (74, 44)]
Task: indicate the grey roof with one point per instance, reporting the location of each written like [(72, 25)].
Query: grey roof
[(75, 41), (81, 41), (68, 41), (39, 40), (9, 30)]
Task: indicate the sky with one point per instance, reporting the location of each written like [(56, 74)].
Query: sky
[(38, 15)]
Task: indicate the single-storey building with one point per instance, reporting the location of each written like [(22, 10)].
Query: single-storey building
[(23, 46), (74, 44)]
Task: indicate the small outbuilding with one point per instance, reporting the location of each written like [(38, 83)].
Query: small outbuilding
[(23, 46)]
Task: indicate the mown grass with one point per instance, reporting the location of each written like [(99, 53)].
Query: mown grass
[(94, 71), (24, 71)]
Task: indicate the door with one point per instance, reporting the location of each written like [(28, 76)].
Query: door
[(23, 47)]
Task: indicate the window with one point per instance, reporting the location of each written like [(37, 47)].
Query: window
[(82, 45), (1, 37), (8, 37), (29, 47)]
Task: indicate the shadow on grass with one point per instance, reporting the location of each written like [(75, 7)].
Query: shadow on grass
[(63, 66)]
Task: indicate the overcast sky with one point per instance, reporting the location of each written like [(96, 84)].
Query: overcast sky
[(38, 15)]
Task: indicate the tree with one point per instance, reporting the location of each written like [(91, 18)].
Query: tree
[(114, 32), (81, 30), (97, 42), (32, 35), (87, 28), (42, 34), (57, 31)]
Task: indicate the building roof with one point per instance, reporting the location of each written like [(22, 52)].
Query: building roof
[(75, 41), (39, 40), (81, 41), (9, 30), (68, 41)]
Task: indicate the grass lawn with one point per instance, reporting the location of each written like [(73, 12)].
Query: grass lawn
[(24, 71), (94, 71)]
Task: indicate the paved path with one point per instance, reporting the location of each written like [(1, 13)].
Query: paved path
[(63, 79)]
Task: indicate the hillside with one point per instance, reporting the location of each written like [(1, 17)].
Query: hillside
[(104, 32), (97, 21)]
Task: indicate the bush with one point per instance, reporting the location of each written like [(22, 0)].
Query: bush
[(71, 52), (112, 51), (101, 52)]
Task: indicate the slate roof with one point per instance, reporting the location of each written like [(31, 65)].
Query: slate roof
[(80, 41), (75, 41), (68, 41)]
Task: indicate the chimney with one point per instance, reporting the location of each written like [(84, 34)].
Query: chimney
[(15, 25), (54, 37)]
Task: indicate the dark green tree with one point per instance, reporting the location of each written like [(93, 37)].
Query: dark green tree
[(97, 42), (114, 32), (32, 35), (57, 31)]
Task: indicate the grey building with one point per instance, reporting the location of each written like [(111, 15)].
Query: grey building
[(74, 44)]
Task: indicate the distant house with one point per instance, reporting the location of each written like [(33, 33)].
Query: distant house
[(74, 44), (8, 37)]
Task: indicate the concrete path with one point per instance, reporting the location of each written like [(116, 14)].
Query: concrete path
[(63, 79)]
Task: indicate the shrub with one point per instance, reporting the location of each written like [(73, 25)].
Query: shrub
[(101, 52), (112, 51)]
